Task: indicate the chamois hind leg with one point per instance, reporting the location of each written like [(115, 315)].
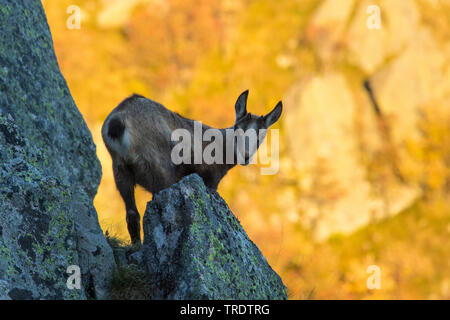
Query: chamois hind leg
[(125, 184)]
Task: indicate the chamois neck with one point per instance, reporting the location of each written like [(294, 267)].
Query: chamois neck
[(226, 166)]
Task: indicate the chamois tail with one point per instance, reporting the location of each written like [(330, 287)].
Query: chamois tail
[(116, 135), (116, 128)]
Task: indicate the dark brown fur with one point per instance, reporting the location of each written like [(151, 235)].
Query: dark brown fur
[(137, 134)]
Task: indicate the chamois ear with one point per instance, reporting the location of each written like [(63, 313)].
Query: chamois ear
[(241, 105), (273, 115)]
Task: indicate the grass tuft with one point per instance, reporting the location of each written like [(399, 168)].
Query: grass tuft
[(129, 281)]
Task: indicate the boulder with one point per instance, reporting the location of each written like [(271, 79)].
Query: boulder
[(333, 141), (195, 248), (410, 81), (327, 27), (371, 48), (49, 172)]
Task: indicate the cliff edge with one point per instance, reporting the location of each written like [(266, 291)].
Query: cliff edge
[(195, 248)]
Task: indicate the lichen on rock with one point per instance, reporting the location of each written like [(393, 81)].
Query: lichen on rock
[(49, 172), (195, 248)]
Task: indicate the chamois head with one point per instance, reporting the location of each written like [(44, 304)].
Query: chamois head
[(250, 129)]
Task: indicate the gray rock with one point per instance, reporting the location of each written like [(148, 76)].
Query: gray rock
[(136, 258), (49, 172), (195, 248)]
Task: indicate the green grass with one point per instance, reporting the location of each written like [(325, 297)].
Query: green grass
[(129, 281)]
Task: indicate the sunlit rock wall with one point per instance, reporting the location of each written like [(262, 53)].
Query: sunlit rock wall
[(351, 151)]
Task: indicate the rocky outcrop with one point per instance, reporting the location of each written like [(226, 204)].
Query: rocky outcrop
[(399, 25), (49, 172), (333, 154), (354, 129), (195, 248)]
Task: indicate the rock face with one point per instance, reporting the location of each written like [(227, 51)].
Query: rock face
[(370, 48), (195, 248), (49, 172), (338, 196), (354, 148)]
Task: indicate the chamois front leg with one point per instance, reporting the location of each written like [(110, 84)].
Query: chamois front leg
[(125, 184)]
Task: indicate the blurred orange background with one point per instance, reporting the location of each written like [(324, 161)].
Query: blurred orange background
[(360, 182)]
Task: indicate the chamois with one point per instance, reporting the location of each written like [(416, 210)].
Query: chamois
[(138, 135)]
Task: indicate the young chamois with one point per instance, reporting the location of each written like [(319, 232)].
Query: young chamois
[(138, 134)]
